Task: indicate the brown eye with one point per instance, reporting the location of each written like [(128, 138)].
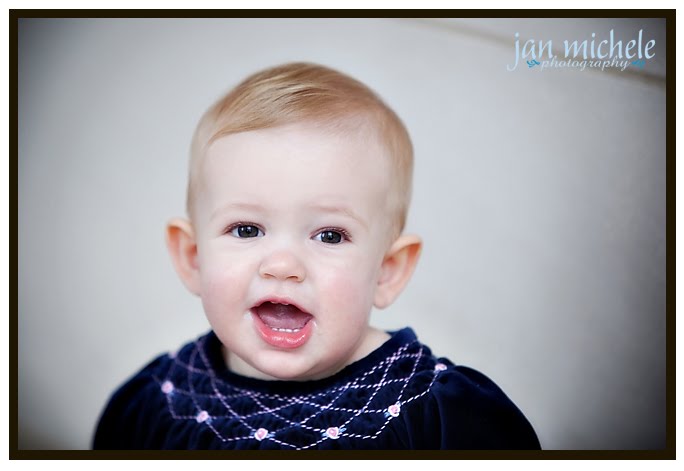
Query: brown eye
[(245, 232)]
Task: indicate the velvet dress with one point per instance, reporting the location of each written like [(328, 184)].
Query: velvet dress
[(398, 397)]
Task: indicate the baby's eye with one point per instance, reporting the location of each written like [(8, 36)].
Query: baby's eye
[(246, 231), (330, 236)]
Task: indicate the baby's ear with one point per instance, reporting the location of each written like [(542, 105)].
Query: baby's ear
[(182, 245), (397, 268)]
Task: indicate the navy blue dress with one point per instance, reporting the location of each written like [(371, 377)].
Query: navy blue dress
[(398, 397)]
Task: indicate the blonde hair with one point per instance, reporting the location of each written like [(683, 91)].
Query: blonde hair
[(304, 92)]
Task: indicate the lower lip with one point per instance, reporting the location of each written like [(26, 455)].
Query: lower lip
[(286, 340)]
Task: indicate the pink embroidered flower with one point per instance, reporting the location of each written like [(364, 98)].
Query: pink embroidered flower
[(394, 409), (333, 432), (167, 387), (260, 434), (203, 416), (440, 367)]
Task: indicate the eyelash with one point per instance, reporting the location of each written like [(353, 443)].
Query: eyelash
[(344, 233), (234, 226)]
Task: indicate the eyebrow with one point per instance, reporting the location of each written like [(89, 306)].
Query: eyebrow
[(251, 207), (322, 208)]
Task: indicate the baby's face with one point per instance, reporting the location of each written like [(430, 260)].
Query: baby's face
[(291, 227)]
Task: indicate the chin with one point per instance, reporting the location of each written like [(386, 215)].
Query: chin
[(290, 368), (288, 374)]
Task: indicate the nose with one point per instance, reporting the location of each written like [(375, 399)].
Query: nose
[(282, 265)]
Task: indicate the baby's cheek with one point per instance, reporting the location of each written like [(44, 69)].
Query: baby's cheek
[(222, 288), (348, 293)]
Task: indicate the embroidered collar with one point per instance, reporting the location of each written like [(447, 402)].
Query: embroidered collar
[(358, 403)]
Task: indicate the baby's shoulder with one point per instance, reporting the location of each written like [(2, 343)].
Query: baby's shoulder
[(153, 374), (137, 408), (430, 375), (463, 408), (465, 383)]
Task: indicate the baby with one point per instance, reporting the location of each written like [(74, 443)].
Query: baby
[(299, 186)]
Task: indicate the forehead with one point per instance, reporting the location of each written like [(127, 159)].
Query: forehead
[(295, 164)]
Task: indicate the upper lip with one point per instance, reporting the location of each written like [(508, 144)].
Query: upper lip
[(280, 300)]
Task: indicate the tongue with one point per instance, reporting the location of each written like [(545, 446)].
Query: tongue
[(280, 316)]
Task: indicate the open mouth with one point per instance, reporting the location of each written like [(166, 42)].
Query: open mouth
[(282, 324)]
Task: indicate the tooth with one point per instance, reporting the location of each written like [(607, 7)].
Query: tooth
[(278, 329)]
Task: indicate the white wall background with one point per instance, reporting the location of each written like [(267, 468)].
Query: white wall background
[(540, 197)]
